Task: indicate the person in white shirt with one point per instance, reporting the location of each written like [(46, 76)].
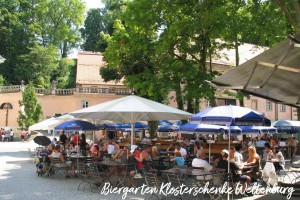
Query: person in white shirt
[(178, 148), (282, 143), (201, 163), (11, 135), (276, 154), (110, 148), (238, 157)]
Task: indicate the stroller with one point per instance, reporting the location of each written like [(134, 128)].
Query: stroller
[(40, 165)]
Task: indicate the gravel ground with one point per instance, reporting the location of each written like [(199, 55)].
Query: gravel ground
[(18, 180)]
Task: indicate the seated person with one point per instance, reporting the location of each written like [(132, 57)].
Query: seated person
[(266, 153), (238, 157), (282, 143), (178, 148), (200, 162), (56, 154), (179, 160), (110, 149), (223, 164), (276, 154), (198, 149), (125, 157), (171, 148), (254, 163), (146, 154)]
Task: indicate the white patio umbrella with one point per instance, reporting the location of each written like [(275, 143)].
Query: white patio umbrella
[(131, 109), (50, 123)]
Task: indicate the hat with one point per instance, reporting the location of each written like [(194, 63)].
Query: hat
[(225, 152), (128, 146), (133, 148)]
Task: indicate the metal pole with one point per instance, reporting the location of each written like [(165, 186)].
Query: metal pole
[(132, 132), (229, 132)]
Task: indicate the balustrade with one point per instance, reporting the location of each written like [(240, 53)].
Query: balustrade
[(12, 88), (82, 90)]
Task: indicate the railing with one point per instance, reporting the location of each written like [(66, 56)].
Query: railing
[(42, 91), (80, 90), (12, 88), (89, 90), (64, 91)]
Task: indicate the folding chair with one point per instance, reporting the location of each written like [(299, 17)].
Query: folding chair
[(56, 166), (175, 181), (126, 176), (152, 180), (31, 155), (89, 176), (219, 177)]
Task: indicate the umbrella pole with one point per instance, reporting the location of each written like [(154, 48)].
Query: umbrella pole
[(229, 132), (132, 132)]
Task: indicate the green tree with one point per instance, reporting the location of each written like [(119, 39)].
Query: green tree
[(32, 108), (24, 24), (58, 22), (94, 24), (38, 65), (2, 80)]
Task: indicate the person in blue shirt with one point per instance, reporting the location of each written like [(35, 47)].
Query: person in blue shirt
[(179, 160)]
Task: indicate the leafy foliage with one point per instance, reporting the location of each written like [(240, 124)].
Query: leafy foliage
[(32, 108), (29, 24)]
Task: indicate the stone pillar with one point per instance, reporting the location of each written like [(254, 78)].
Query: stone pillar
[(22, 88), (53, 87)]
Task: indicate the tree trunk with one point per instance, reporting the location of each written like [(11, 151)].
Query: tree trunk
[(179, 97), (64, 52), (153, 125), (190, 105), (197, 106)]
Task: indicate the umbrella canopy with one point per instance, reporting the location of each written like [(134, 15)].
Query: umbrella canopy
[(138, 125), (258, 129), (131, 109), (209, 129), (273, 74), (233, 115), (202, 128), (42, 140), (50, 123), (76, 125), (167, 128), (287, 126), (109, 126)]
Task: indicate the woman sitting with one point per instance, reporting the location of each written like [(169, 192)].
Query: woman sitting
[(56, 154), (277, 155), (253, 162)]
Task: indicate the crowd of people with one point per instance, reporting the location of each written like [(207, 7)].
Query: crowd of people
[(6, 135), (244, 161)]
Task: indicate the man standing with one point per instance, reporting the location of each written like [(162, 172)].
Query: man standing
[(63, 138), (11, 135)]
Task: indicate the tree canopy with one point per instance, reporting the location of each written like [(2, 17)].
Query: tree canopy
[(33, 27)]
